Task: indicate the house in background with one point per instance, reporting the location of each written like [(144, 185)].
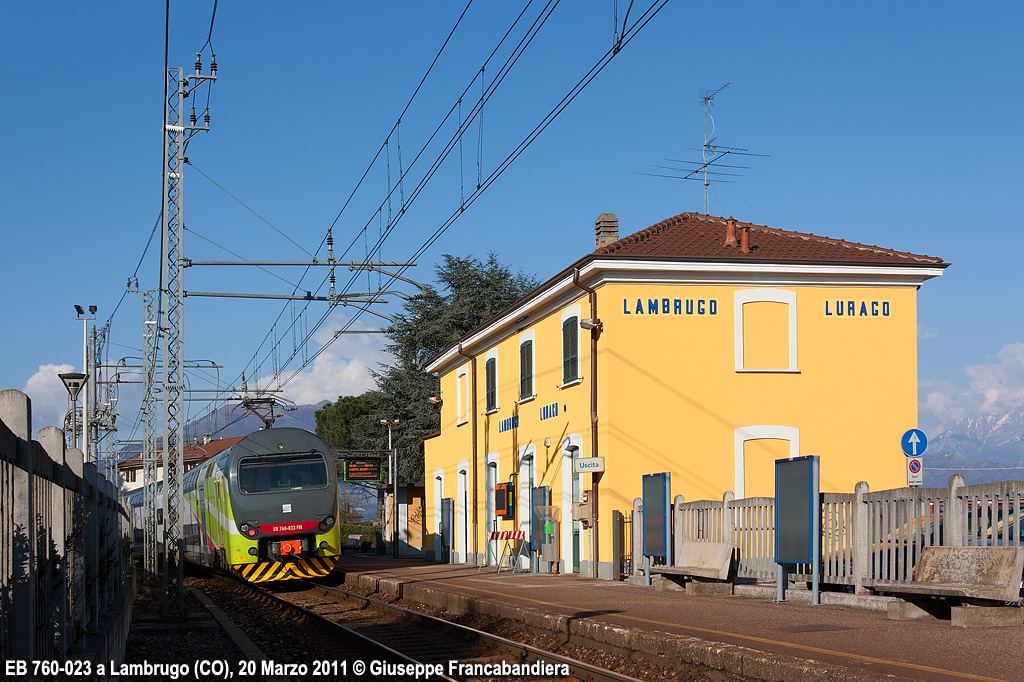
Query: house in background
[(194, 454)]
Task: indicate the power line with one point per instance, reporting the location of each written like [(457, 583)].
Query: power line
[(628, 35)]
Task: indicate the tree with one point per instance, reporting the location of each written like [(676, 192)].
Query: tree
[(349, 422), (470, 291)]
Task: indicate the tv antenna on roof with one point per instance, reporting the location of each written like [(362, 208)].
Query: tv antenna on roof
[(711, 153), (706, 98)]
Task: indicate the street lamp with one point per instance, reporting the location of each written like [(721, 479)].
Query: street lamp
[(73, 381), (390, 423), (85, 368)]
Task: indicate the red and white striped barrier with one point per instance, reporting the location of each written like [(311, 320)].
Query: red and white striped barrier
[(506, 535)]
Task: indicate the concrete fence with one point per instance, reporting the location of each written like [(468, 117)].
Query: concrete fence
[(865, 536), (65, 591)]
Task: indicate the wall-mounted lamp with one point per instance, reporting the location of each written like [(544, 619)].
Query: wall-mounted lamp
[(589, 323), (547, 442), (434, 400)]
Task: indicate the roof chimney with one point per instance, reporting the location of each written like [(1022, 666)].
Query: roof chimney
[(745, 240), (607, 229), (730, 232)]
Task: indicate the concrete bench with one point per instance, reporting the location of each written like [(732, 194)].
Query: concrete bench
[(973, 577), (702, 567), (353, 542)]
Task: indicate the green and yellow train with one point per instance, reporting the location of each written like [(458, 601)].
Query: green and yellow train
[(266, 507)]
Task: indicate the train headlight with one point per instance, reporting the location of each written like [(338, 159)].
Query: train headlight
[(252, 551), (326, 522), (247, 529)]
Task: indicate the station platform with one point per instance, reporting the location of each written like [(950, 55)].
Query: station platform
[(747, 634)]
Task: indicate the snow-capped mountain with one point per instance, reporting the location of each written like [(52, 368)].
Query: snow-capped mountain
[(987, 448)]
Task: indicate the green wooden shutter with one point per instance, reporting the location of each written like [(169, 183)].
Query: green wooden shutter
[(526, 369), (570, 350), (491, 379)]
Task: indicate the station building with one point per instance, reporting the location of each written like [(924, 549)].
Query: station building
[(701, 346)]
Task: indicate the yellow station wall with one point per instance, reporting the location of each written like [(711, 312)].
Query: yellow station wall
[(671, 399)]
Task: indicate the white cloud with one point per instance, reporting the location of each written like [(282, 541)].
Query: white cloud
[(48, 395), (994, 387), (927, 332), (343, 368)]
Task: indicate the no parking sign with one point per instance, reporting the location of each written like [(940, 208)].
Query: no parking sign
[(915, 471)]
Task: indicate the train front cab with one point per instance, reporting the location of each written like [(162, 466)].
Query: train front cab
[(283, 502)]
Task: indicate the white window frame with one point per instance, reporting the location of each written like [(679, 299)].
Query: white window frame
[(570, 312), (438, 496), (526, 479), (462, 393), (528, 335), (492, 355), (492, 476), (568, 444), (763, 431), (764, 296), (462, 511)]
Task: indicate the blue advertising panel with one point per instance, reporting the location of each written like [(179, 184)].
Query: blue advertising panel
[(657, 489)]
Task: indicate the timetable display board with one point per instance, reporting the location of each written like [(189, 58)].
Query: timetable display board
[(657, 514), (797, 510), (362, 469)]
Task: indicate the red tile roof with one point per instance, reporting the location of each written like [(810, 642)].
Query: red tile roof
[(699, 236), (193, 454)]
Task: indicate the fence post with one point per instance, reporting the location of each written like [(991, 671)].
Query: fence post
[(76, 536), (955, 521), (677, 528), (728, 520), (16, 412), (52, 440), (638, 536), (92, 547), (860, 543)]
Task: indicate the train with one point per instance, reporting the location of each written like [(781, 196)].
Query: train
[(267, 508)]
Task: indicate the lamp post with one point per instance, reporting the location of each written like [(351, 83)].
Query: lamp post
[(86, 435), (73, 381), (390, 423)]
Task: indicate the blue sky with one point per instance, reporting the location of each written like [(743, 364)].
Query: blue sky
[(895, 126)]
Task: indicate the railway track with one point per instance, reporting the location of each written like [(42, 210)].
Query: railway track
[(399, 643)]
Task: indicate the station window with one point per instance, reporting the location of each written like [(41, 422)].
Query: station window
[(462, 396), (526, 369), (570, 350), (491, 383), (765, 330)]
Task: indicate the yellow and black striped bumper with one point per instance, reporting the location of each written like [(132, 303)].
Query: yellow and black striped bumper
[(290, 569)]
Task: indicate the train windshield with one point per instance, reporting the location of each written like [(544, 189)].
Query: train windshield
[(282, 472)]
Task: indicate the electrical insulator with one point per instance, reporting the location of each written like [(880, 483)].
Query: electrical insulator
[(199, 63), (192, 116), (206, 117), (213, 64)]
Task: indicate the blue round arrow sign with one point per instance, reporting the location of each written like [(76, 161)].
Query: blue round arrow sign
[(914, 443)]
